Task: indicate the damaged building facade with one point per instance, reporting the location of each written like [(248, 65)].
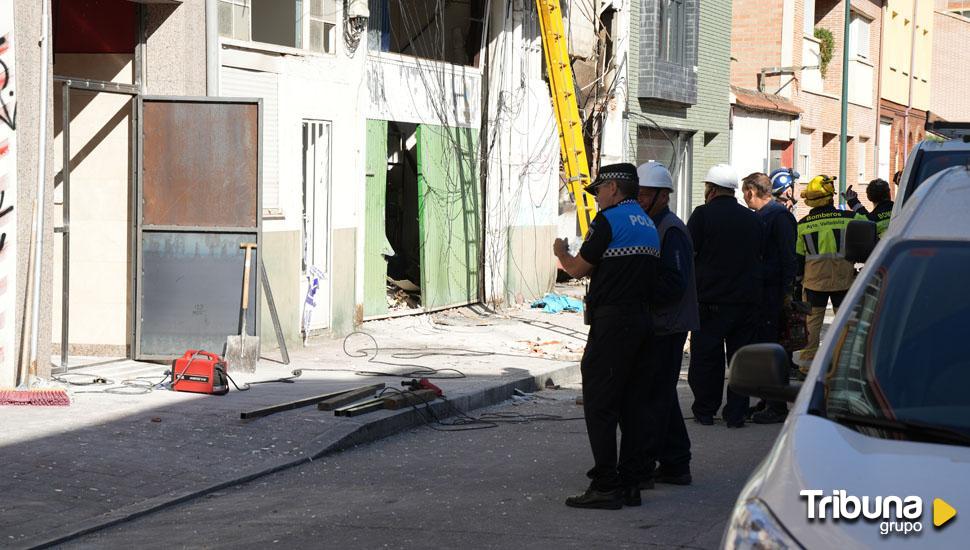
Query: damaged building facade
[(387, 157)]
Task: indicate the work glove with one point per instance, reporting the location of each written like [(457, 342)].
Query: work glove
[(850, 196)]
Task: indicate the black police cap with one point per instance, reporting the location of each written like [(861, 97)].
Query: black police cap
[(623, 171)]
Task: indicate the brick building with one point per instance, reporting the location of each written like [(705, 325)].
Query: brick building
[(951, 57), (775, 51), (907, 46)]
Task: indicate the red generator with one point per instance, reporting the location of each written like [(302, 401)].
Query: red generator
[(199, 371)]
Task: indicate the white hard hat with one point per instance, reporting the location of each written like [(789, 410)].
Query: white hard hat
[(722, 175), (655, 175)]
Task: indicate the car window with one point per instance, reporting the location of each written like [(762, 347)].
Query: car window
[(932, 162), (902, 353)]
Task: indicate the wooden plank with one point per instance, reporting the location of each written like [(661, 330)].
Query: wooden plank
[(363, 407), (408, 398), (348, 397), (266, 411)]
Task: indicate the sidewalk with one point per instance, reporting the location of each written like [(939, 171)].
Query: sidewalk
[(110, 457)]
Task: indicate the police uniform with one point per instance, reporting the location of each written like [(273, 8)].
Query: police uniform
[(623, 246)]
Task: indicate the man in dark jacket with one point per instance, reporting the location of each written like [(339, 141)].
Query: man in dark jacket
[(675, 314), (728, 240), (781, 230)]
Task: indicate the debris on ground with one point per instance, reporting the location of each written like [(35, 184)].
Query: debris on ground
[(553, 349), (399, 299)]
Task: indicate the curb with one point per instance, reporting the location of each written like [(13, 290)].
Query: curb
[(368, 432)]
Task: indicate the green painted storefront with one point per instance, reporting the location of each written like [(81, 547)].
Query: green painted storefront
[(449, 217)]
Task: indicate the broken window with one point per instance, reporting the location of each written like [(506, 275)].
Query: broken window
[(442, 30), (304, 24)]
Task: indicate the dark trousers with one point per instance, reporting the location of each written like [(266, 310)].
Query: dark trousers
[(667, 441), (769, 331), (722, 325), (613, 390), (818, 298)]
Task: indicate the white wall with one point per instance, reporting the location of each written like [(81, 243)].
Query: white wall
[(751, 136), (8, 183), (422, 91), (523, 165), (315, 87)]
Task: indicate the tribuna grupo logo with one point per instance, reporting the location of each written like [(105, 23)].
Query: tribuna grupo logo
[(896, 515)]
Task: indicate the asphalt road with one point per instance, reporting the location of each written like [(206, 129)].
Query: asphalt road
[(491, 488)]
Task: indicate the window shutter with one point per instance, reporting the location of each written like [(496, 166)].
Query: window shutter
[(245, 83)]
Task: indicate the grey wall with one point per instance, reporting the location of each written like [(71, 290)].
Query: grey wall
[(27, 22), (175, 48), (531, 264), (345, 313), (281, 256)]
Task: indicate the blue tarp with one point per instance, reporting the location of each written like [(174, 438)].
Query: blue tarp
[(555, 303)]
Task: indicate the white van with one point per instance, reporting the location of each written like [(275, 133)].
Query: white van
[(931, 156), (878, 438)]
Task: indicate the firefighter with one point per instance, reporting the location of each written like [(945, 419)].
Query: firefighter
[(824, 272), (674, 315), (728, 241), (621, 254), (779, 273), (878, 194)]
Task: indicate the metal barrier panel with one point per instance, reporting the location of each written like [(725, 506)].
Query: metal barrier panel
[(198, 199)]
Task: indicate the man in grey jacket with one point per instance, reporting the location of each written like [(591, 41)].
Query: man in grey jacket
[(675, 314)]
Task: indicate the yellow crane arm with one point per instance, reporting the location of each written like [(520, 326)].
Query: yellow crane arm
[(566, 108)]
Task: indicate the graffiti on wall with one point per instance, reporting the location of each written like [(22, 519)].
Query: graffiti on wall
[(8, 193)]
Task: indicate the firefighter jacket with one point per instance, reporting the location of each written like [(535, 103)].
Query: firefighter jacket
[(820, 249), (880, 214)]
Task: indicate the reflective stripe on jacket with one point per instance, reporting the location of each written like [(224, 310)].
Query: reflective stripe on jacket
[(821, 249)]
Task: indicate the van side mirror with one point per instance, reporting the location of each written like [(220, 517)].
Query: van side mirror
[(761, 370), (860, 240)]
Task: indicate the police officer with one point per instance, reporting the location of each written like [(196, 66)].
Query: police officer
[(824, 272), (674, 315), (727, 249), (620, 252), (779, 272), (878, 194)]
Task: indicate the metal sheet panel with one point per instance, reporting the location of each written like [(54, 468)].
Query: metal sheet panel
[(200, 164), (192, 291), (375, 267), (449, 214), (198, 197)]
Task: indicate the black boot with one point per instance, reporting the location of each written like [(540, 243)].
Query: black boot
[(631, 496), (600, 500)]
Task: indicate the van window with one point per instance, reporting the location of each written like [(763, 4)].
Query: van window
[(928, 163), (902, 353)]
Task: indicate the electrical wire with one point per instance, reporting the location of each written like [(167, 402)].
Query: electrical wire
[(463, 421)]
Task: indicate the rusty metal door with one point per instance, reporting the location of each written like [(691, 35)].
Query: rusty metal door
[(198, 199)]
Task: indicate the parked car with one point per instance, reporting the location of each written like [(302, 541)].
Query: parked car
[(932, 155), (885, 409)]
